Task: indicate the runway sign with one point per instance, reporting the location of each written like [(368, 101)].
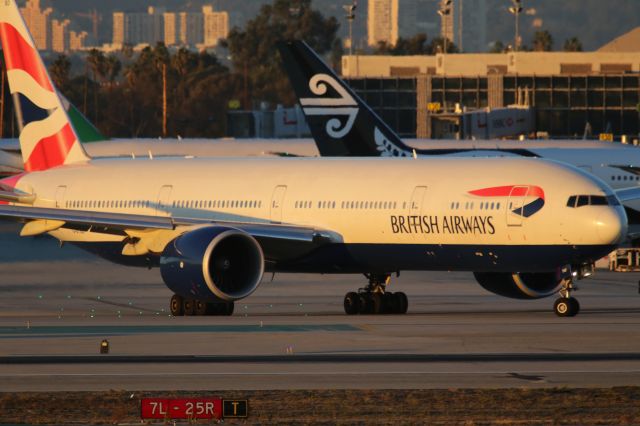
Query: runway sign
[(181, 408), (235, 408)]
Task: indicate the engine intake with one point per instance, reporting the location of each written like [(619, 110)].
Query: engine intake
[(213, 263), (520, 285)]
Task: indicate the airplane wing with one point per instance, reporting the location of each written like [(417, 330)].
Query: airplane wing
[(10, 145), (277, 240), (628, 194)]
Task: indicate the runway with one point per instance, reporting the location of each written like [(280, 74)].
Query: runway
[(292, 333)]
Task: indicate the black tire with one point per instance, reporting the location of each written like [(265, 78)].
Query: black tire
[(562, 307), (188, 306), (364, 303), (376, 303), (200, 307), (175, 306), (214, 308), (228, 309), (574, 307), (402, 302), (389, 304), (352, 303)]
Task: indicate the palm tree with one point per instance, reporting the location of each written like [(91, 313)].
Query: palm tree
[(60, 70), (573, 45), (542, 41)]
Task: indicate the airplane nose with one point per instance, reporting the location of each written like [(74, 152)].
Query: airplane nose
[(611, 226)]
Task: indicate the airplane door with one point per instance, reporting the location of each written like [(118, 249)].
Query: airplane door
[(164, 201), (517, 198), (60, 194), (277, 201)]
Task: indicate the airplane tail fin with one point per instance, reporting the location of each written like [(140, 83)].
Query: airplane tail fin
[(340, 122), (47, 138)]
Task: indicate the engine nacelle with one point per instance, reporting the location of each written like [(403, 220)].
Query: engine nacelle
[(520, 285), (213, 263)]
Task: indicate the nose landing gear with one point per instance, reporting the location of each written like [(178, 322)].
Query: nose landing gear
[(565, 305), (374, 299)]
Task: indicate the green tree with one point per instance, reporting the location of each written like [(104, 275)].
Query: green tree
[(60, 70), (253, 51), (416, 45), (542, 41), (437, 46), (497, 47), (572, 44), (112, 68)]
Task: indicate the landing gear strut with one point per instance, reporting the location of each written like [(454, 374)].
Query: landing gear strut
[(565, 305), (374, 299), (179, 306)]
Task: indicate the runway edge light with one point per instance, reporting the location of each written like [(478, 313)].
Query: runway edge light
[(104, 346)]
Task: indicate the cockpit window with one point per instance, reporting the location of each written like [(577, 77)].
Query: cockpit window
[(592, 200), (599, 200)]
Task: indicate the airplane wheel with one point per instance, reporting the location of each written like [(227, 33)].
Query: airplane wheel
[(575, 306), (364, 303), (214, 308), (402, 302), (200, 308), (352, 303), (175, 306), (188, 306), (227, 309), (389, 303), (566, 307), (376, 303)]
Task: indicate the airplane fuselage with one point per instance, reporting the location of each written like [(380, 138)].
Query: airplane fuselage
[(390, 214)]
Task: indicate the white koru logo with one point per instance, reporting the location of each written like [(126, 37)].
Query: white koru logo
[(345, 105), (386, 147)]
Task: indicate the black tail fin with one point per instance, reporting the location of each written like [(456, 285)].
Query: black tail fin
[(340, 122)]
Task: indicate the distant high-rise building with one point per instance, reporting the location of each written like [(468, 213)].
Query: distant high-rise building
[(60, 35), (474, 25), (171, 29), (191, 28), (77, 40), (39, 23), (418, 16), (137, 28), (382, 22), (216, 26)]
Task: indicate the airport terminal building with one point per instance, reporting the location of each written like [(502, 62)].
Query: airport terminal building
[(571, 92)]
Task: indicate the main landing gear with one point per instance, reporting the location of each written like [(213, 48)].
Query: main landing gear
[(180, 306), (374, 299), (565, 305)]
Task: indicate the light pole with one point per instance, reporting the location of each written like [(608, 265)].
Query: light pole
[(350, 9), (516, 9), (445, 12)]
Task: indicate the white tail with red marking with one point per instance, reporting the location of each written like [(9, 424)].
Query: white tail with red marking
[(50, 140)]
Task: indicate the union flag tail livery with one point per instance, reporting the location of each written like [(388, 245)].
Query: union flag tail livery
[(47, 138)]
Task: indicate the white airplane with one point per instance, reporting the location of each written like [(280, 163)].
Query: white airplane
[(326, 99), (214, 226)]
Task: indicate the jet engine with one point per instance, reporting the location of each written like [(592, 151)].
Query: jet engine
[(520, 285), (213, 263)]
